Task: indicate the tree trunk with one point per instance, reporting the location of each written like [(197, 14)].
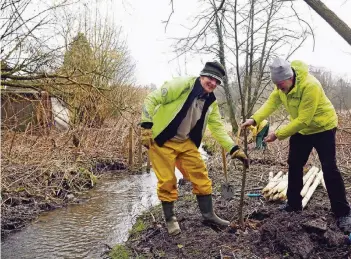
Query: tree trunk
[(229, 98), (330, 17)]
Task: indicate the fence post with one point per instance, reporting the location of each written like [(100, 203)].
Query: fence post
[(140, 158), (148, 164), (130, 158)]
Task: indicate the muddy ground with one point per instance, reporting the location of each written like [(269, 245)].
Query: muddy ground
[(268, 232)]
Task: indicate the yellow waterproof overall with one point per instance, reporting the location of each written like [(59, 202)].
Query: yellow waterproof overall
[(187, 158)]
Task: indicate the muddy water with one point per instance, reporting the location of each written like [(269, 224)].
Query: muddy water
[(81, 231)]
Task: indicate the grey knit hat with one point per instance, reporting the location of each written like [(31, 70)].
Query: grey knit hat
[(214, 69), (280, 70)]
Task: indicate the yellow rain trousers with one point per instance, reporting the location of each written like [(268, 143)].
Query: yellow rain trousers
[(187, 158)]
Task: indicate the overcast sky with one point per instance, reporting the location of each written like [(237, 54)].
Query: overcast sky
[(150, 45)]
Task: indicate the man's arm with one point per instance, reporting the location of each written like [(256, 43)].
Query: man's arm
[(272, 104), (218, 131), (216, 126), (307, 109)]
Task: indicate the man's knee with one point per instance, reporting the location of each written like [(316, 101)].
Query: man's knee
[(296, 164), (167, 185)]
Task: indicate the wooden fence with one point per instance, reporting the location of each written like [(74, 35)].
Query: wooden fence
[(132, 138)]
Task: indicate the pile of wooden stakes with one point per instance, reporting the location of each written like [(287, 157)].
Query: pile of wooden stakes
[(277, 186)]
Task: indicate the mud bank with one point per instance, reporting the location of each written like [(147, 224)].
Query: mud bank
[(268, 232), (23, 205)]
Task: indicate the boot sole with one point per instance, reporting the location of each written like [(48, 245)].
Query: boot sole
[(176, 232), (211, 223)]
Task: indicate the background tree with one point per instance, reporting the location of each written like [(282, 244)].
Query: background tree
[(28, 52), (330, 17), (79, 65), (337, 88)]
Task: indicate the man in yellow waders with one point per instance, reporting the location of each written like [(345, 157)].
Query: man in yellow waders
[(258, 133), (174, 118), (313, 123)]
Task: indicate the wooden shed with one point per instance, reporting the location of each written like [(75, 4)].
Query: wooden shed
[(25, 109)]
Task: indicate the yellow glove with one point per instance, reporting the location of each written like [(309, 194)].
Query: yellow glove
[(239, 154), (146, 137)]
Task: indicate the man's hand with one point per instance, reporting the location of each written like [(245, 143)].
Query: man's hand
[(146, 137), (239, 154), (248, 122), (270, 138)]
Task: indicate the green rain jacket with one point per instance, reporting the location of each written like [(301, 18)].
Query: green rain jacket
[(162, 106), (309, 108)]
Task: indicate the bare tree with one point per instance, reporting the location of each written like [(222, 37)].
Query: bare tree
[(330, 17), (337, 88), (28, 51)]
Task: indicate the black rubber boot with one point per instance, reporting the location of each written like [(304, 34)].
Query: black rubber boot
[(206, 208), (286, 207), (171, 220), (344, 223)]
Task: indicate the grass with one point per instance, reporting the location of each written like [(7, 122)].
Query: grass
[(120, 252), (138, 227)]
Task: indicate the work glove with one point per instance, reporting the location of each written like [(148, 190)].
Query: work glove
[(146, 137), (239, 154)]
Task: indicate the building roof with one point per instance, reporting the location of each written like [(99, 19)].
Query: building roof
[(19, 90)]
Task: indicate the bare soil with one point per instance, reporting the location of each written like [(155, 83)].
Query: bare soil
[(268, 232)]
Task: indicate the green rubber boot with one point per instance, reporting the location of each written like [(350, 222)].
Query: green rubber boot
[(171, 221), (206, 208)]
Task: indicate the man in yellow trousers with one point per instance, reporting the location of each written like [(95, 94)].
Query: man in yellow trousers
[(174, 118)]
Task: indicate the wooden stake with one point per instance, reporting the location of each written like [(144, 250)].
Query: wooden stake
[(140, 157), (280, 186), (130, 157), (148, 164), (309, 173), (275, 180), (270, 176), (308, 183), (323, 183), (312, 189)]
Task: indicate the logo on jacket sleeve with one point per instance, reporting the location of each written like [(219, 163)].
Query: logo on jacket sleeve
[(164, 92), (146, 114)]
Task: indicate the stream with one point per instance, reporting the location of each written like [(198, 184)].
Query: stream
[(83, 230)]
